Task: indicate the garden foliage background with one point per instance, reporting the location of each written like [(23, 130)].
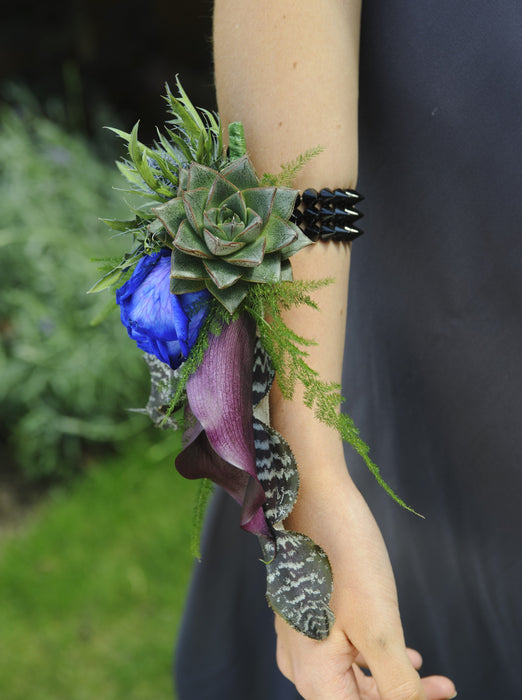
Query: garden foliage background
[(94, 520)]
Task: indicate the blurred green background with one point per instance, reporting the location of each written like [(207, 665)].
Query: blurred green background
[(95, 523)]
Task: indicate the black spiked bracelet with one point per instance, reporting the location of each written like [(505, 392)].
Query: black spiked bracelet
[(328, 215)]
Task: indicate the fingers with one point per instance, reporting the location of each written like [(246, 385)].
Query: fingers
[(434, 687), (328, 671), (319, 670), (413, 655), (395, 676), (438, 688)]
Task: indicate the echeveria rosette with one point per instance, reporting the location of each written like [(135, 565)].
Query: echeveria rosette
[(163, 324), (229, 232)]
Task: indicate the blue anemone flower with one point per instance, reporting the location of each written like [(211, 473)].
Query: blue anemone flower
[(163, 324)]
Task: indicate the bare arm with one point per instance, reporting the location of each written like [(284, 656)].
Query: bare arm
[(288, 69)]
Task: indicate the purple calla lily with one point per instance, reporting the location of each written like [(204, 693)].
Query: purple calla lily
[(219, 441)]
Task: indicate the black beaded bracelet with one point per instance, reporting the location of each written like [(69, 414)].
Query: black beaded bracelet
[(328, 216)]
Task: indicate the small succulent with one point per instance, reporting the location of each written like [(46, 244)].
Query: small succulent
[(228, 232)]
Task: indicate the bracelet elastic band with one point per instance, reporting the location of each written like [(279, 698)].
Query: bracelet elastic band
[(328, 215)]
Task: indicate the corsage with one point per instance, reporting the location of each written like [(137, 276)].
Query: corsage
[(201, 292)]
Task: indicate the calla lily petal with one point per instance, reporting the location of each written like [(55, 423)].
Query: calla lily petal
[(219, 443)]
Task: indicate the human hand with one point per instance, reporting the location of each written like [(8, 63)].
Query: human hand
[(333, 670), (365, 604)]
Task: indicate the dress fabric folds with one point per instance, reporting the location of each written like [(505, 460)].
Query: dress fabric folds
[(433, 366)]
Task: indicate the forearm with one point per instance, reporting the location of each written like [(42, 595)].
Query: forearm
[(273, 62)]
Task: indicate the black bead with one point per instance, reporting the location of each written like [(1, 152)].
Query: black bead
[(345, 215), (309, 197), (347, 233), (297, 217), (328, 215), (347, 198), (327, 232), (325, 214), (312, 232), (310, 215), (326, 195)]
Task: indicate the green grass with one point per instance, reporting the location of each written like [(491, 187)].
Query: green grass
[(91, 591)]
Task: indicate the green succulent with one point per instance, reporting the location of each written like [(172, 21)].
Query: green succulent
[(229, 232)]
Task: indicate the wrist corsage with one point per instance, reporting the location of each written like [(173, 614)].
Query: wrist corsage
[(201, 292)]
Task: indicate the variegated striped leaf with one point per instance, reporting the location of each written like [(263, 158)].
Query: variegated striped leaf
[(262, 375), (163, 381), (277, 472), (299, 583)]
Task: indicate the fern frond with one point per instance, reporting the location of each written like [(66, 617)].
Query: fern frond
[(289, 357), (289, 170), (205, 490)]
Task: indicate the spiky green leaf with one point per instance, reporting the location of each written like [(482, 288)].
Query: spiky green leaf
[(260, 199), (171, 214), (250, 255), (300, 242), (269, 271), (278, 234), (188, 241), (218, 246), (241, 173), (230, 297), (221, 273), (185, 266)]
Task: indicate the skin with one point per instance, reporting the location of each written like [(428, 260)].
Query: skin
[(288, 69)]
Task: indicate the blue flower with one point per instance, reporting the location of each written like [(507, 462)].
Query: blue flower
[(163, 324)]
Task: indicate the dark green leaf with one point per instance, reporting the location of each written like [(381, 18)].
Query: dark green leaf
[(268, 271), (186, 267), (221, 273), (278, 234), (231, 297), (171, 214), (188, 241), (241, 174), (250, 255)]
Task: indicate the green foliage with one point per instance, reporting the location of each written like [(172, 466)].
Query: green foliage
[(63, 382), (289, 170), (92, 586), (152, 175), (228, 233), (286, 350), (236, 140), (205, 490), (200, 128)]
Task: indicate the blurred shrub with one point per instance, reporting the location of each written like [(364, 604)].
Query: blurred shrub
[(63, 382)]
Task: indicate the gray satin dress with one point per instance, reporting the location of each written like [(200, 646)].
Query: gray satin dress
[(433, 369)]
